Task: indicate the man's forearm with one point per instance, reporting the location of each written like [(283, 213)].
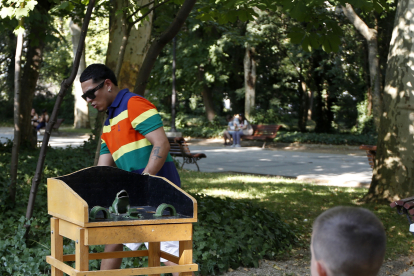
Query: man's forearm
[(157, 158)]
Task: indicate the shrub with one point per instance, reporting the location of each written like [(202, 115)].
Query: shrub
[(325, 138), (268, 116), (230, 233)]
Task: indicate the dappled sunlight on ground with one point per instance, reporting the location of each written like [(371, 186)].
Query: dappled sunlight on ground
[(298, 202)]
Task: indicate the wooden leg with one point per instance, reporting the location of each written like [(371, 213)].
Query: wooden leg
[(186, 255), (154, 255), (56, 245), (82, 252), (195, 161)]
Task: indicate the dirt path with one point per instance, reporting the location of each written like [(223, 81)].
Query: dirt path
[(299, 265), (299, 262), (334, 149)]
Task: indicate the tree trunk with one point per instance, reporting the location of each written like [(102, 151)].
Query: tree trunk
[(135, 49), (16, 138), (374, 71), (321, 116), (34, 54), (310, 108), (174, 92), (63, 88), (207, 96), (127, 49), (393, 176), (159, 44), (249, 81), (81, 109), (304, 105)]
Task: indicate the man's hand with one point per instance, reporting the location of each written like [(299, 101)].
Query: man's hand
[(160, 150)]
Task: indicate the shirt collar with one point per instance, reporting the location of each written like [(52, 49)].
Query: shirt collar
[(118, 98)]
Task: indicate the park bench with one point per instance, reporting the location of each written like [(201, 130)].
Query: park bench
[(371, 152), (179, 147), (405, 207), (56, 125), (262, 132)]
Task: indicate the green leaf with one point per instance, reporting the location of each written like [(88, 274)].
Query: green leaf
[(243, 16), (18, 30), (306, 44), (85, 2), (62, 6), (21, 12), (6, 12), (299, 11), (296, 37), (326, 45), (31, 4)]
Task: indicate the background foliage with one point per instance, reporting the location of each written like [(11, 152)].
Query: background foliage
[(221, 221)]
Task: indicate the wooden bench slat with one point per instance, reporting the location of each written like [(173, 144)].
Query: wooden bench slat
[(262, 132), (179, 147)]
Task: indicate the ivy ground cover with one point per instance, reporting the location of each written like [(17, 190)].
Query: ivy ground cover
[(298, 204)]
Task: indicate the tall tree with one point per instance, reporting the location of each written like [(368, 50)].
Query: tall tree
[(250, 77), (129, 38), (18, 10), (370, 34), (64, 86), (81, 110), (159, 43), (38, 34), (16, 137), (393, 175)]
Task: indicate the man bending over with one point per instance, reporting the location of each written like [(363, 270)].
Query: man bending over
[(347, 241), (133, 139)]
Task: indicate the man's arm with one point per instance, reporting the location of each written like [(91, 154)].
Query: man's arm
[(160, 150), (106, 160)]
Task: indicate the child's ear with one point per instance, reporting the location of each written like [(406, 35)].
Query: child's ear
[(321, 269)]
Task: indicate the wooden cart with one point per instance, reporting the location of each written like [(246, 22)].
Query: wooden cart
[(71, 197)]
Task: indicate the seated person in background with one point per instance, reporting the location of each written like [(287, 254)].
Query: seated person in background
[(34, 117), (347, 241), (243, 127), (233, 128), (43, 119), (226, 134)]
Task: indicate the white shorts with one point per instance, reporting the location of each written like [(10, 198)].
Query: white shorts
[(168, 246)]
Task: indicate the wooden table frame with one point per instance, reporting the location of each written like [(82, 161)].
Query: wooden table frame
[(153, 234)]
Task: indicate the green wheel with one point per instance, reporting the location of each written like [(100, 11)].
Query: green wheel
[(164, 206), (97, 209)]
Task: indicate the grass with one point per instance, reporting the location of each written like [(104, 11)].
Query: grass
[(69, 129), (299, 203)]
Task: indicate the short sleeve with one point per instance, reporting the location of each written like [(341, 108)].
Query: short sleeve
[(143, 115), (104, 148)]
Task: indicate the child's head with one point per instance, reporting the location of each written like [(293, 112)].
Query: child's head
[(347, 241)]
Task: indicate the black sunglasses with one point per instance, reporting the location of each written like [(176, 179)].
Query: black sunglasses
[(91, 93)]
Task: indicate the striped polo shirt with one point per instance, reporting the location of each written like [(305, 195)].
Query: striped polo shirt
[(130, 118)]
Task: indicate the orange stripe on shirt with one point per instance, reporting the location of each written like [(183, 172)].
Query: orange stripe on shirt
[(121, 134), (144, 105)]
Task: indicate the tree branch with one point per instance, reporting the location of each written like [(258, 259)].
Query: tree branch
[(358, 23), (150, 10), (156, 47), (140, 8), (63, 88)]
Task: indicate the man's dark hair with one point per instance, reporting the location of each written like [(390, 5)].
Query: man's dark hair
[(350, 241), (98, 72)]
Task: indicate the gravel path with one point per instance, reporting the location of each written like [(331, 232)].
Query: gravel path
[(299, 265)]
